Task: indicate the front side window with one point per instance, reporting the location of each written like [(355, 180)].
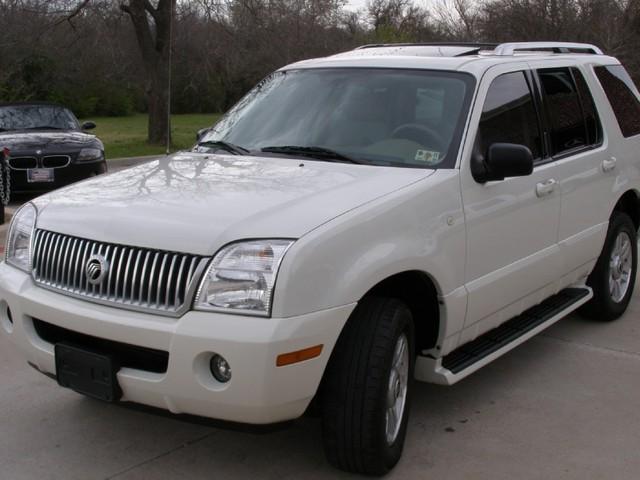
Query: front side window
[(392, 117), (568, 128), (622, 95), (36, 117), (509, 115)]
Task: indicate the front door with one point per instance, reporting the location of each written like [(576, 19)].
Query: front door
[(512, 225)]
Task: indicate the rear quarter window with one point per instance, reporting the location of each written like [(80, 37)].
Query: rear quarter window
[(622, 95)]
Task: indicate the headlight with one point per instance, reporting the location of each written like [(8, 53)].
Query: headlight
[(18, 248), (241, 277), (90, 155)]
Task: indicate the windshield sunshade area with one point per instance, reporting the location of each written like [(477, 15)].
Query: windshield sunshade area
[(394, 117), (36, 117)]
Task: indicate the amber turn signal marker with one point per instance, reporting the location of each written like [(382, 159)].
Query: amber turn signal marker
[(298, 356)]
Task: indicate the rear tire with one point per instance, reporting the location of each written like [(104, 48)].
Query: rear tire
[(367, 388), (613, 278)]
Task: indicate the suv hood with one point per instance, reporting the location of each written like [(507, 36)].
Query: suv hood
[(196, 203)]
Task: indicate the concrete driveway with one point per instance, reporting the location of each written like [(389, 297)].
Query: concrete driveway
[(562, 406), (565, 405)]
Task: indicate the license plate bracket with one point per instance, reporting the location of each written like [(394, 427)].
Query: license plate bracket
[(90, 373), (40, 175)]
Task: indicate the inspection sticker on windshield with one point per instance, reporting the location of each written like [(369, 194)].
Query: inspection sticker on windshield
[(427, 156)]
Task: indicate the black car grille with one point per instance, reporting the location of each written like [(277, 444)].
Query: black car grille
[(49, 161), (23, 163), (136, 278), (56, 161)]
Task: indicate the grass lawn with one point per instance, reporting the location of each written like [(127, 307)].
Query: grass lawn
[(127, 136)]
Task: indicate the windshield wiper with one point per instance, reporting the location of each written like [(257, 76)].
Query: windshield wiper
[(319, 153), (226, 146)]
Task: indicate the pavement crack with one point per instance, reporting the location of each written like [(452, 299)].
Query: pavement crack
[(160, 455), (624, 353)]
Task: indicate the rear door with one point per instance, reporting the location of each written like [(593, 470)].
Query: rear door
[(580, 150)]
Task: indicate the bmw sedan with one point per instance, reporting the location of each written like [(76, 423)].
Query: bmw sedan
[(47, 146)]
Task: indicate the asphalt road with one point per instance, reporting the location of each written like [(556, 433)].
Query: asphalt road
[(564, 405)]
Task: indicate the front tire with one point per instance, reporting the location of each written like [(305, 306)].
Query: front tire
[(613, 278), (367, 388)]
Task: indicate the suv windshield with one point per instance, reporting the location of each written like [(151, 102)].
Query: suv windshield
[(36, 117), (410, 118)]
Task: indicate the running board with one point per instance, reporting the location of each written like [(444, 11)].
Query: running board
[(474, 355)]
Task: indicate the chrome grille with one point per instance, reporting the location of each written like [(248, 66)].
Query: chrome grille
[(137, 278)]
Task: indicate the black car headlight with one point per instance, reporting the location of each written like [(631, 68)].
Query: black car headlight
[(87, 155)]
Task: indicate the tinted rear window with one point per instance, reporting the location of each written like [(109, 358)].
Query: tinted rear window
[(568, 129), (591, 118), (622, 95)]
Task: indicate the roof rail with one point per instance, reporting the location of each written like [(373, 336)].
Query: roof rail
[(555, 47), (488, 46)]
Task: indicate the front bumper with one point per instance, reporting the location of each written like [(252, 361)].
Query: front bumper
[(258, 393), (63, 176)]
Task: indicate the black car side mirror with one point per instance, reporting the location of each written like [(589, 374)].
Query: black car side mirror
[(503, 160), (88, 126)]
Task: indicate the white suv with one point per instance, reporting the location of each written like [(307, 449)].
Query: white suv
[(353, 223)]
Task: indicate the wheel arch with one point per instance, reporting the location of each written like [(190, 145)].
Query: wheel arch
[(629, 203), (419, 292)]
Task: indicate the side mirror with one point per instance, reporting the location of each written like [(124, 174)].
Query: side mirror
[(88, 126), (503, 160), (201, 133)]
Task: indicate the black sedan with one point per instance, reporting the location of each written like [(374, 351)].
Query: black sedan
[(47, 147)]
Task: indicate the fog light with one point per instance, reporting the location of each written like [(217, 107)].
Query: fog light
[(220, 369)]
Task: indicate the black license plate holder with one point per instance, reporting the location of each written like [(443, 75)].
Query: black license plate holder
[(90, 373)]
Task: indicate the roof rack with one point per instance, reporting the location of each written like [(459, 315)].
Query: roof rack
[(432, 44), (505, 49)]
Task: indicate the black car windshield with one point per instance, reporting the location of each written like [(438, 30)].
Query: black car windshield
[(36, 117), (410, 118)]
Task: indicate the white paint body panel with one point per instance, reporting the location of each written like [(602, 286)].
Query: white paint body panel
[(492, 250)]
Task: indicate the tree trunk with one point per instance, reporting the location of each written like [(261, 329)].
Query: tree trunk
[(154, 42), (158, 104)]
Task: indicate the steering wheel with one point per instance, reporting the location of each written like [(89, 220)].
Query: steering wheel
[(420, 134)]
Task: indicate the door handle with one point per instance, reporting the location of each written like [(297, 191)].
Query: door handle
[(608, 165), (545, 188)]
